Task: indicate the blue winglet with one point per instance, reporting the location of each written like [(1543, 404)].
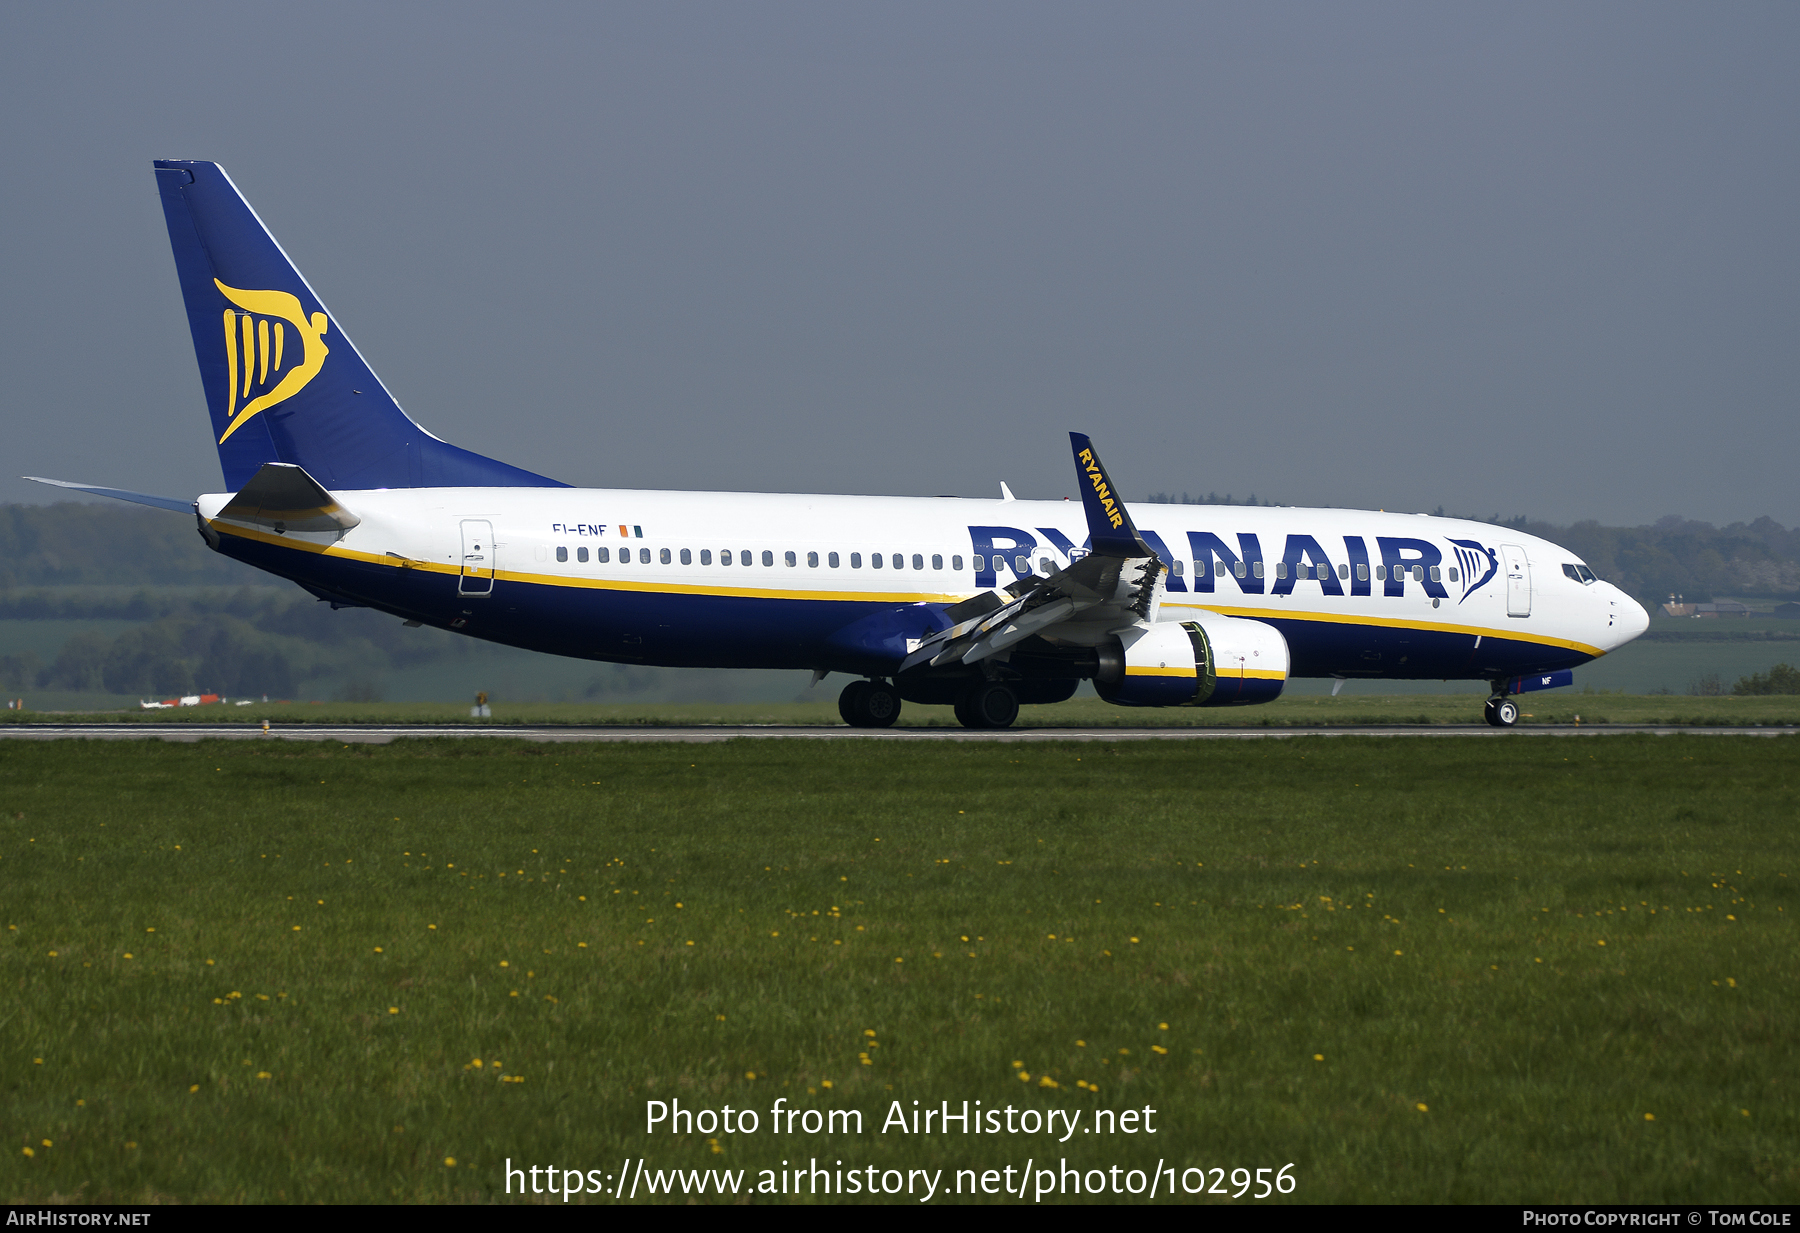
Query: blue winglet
[(1110, 527)]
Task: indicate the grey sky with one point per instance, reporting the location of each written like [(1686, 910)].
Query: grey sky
[(1513, 258)]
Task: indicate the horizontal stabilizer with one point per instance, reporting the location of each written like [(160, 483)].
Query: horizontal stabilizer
[(283, 497), (120, 494)]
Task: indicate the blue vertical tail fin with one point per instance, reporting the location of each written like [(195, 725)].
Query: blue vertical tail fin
[(283, 382)]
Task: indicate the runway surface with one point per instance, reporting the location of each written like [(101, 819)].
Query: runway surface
[(377, 734)]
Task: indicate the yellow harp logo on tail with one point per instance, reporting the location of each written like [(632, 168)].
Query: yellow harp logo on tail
[(256, 347)]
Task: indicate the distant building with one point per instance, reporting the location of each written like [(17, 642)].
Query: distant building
[(1713, 611), (1790, 611)]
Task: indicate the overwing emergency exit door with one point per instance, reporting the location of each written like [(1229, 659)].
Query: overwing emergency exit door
[(477, 558), (1518, 580)]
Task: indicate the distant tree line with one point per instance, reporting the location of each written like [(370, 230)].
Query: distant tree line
[(247, 641), (1211, 498), (76, 543)]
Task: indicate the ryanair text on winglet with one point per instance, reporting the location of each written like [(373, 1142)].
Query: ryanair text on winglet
[(1097, 478)]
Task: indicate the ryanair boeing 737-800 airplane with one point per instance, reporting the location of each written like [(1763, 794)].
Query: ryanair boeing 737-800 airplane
[(979, 605)]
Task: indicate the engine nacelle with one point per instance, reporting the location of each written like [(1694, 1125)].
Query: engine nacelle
[(1211, 661)]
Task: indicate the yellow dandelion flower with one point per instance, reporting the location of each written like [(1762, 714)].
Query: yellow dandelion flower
[(1318, 1057), (1421, 1108), (1024, 1077), (449, 1162), (393, 1010), (1649, 1117), (29, 1152)]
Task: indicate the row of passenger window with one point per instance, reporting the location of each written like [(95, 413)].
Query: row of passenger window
[(1021, 565), (727, 556)]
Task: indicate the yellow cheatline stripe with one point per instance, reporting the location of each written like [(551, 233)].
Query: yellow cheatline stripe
[(1259, 674), (1334, 618), (591, 584), (1160, 672)]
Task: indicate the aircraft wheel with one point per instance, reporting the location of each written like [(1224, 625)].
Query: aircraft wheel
[(991, 706), (1501, 712), (880, 705), (964, 715), (851, 704)]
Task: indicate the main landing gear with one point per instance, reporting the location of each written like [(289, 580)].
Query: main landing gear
[(869, 704), (989, 705), (986, 705), (1501, 711)]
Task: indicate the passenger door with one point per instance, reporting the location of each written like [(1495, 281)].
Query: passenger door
[(1518, 580), (477, 576)]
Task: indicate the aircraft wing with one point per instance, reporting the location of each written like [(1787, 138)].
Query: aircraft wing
[(1116, 584)]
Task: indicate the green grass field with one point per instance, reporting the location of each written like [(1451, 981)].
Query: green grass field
[(1561, 706), (1418, 971)]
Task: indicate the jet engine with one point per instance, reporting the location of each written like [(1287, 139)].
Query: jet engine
[(1211, 661)]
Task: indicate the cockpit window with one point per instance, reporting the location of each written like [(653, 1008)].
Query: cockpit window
[(1579, 573)]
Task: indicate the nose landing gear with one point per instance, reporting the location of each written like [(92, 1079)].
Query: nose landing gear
[(869, 704), (1501, 711)]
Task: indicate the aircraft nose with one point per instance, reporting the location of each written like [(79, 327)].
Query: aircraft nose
[(1629, 618)]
